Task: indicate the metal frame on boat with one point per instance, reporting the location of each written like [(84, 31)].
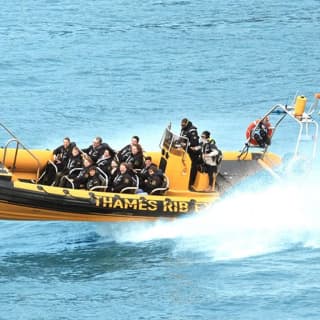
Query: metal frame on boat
[(307, 126)]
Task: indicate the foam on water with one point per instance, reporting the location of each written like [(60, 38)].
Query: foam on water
[(249, 222)]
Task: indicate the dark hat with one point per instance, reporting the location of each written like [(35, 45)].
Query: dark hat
[(92, 168), (206, 134)]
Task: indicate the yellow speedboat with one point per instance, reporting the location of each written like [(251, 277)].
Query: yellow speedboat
[(23, 198)]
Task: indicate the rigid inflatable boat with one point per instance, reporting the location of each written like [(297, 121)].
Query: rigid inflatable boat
[(22, 197)]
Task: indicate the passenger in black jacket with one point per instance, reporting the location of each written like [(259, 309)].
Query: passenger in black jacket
[(104, 162), (74, 161), (96, 149), (123, 179), (135, 157), (188, 130), (93, 178), (60, 159), (154, 180), (144, 174), (124, 153), (79, 178)]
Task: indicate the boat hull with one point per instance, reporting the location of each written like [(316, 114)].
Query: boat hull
[(22, 199), (27, 201), (9, 211)]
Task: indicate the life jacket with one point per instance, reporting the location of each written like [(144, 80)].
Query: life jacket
[(211, 154)]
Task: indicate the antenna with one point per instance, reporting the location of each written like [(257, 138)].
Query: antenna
[(294, 98)]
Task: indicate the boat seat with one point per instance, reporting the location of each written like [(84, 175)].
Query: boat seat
[(44, 171), (54, 165), (129, 190), (161, 190), (75, 170), (69, 179)]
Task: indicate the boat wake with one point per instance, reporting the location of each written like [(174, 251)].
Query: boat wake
[(252, 221)]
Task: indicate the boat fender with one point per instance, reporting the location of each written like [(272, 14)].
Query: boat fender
[(300, 106)]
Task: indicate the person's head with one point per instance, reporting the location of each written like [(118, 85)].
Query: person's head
[(135, 140), (184, 122), (136, 148), (152, 169), (92, 171), (114, 164), (123, 167), (87, 162), (66, 142), (147, 161), (75, 151), (106, 153), (205, 135), (97, 141)]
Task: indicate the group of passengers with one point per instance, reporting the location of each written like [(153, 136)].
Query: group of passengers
[(100, 166)]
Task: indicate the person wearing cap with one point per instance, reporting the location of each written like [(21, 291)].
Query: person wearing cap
[(188, 130), (211, 157)]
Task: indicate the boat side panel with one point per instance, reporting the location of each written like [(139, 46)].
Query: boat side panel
[(79, 203)]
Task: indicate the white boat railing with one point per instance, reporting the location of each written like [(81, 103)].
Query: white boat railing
[(18, 144)]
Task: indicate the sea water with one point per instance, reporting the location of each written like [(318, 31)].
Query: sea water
[(122, 68)]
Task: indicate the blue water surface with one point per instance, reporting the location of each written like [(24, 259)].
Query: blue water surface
[(122, 68)]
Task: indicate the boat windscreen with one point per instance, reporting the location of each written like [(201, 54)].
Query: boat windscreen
[(173, 142)]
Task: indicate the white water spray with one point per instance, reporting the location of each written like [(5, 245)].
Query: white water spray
[(247, 223)]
